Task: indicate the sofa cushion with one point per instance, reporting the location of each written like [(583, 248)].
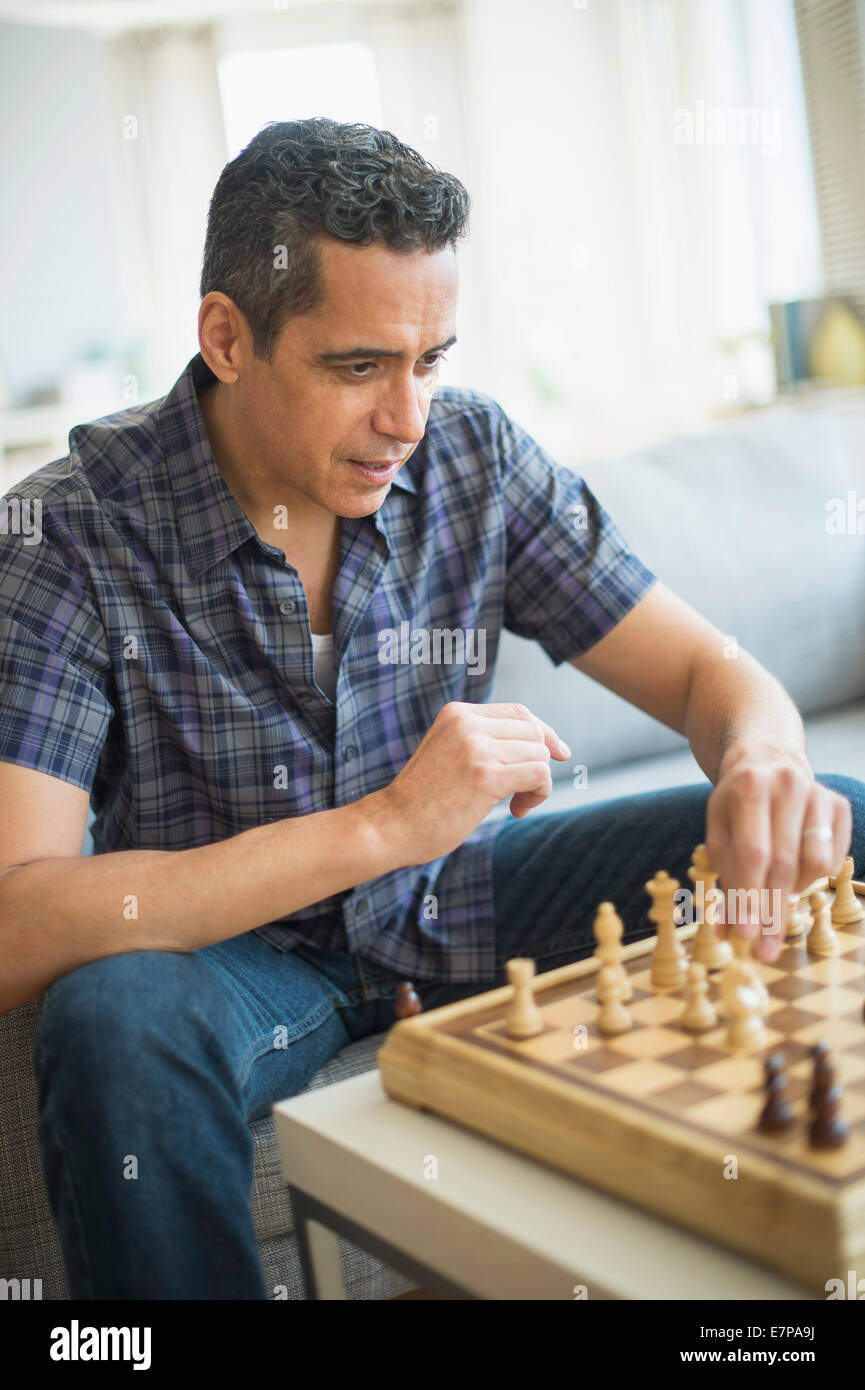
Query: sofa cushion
[(271, 1209)]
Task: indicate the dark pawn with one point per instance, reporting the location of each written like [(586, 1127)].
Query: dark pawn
[(828, 1129), (777, 1114), (407, 1001), (823, 1078)]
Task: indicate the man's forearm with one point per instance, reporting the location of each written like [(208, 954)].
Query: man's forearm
[(59, 914), (737, 707)]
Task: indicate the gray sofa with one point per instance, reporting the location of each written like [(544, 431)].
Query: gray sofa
[(735, 523)]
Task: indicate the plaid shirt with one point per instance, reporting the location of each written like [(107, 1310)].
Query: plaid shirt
[(156, 652)]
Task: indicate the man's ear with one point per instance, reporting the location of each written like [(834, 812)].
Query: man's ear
[(223, 336)]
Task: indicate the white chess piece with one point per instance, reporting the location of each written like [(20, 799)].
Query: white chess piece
[(524, 1017), (709, 949), (699, 1015), (846, 908), (613, 1016), (742, 1006), (821, 939), (608, 928), (668, 957)]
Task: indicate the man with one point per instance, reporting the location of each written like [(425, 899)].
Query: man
[(293, 832)]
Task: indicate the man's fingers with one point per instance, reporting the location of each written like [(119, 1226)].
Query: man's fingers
[(514, 750), (743, 859), (789, 804), (509, 721), (819, 856)]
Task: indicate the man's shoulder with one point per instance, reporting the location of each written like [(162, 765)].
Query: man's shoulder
[(104, 454), (464, 426), (463, 402)]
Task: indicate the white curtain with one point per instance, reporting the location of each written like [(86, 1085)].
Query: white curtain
[(628, 273)]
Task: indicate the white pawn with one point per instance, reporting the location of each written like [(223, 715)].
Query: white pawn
[(743, 952), (745, 1031), (613, 1016), (822, 940), (524, 1017), (699, 1015)]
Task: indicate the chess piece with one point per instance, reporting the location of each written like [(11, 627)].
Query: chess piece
[(777, 1114), (742, 1007), (608, 928), (613, 1016), (709, 949), (846, 908), (823, 1074), (794, 927), (407, 1001), (699, 1015), (668, 957), (743, 951), (524, 1017), (828, 1128), (821, 940)]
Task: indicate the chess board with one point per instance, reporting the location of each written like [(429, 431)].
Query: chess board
[(662, 1117)]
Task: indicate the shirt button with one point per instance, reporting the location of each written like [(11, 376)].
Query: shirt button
[(361, 905), (349, 753), (287, 606)]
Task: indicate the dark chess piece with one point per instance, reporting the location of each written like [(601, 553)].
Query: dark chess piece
[(823, 1078), (777, 1114), (407, 1001), (828, 1129)]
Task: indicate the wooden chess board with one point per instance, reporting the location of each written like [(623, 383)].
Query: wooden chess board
[(663, 1117)]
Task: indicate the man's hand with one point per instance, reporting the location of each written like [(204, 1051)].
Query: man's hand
[(757, 822), (470, 757)]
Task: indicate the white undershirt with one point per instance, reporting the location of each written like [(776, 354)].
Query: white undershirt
[(322, 657)]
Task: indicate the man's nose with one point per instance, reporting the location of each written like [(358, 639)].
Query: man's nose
[(399, 412)]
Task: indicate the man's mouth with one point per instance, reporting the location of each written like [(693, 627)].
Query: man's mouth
[(375, 472)]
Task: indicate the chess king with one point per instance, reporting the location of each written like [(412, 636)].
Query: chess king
[(274, 808)]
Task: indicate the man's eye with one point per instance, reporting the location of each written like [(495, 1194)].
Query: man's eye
[(359, 370)]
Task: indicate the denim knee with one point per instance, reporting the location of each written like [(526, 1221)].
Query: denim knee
[(120, 1009)]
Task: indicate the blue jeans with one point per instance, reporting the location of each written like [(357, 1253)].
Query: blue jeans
[(151, 1064)]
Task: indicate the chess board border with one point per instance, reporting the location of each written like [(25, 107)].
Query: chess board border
[(807, 1223)]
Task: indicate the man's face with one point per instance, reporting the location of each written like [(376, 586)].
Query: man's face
[(354, 380)]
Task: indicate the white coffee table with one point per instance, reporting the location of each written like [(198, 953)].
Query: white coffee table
[(491, 1225)]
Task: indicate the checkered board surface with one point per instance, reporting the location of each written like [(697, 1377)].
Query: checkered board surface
[(694, 1080)]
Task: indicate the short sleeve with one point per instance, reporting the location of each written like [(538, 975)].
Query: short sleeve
[(571, 575), (54, 664)]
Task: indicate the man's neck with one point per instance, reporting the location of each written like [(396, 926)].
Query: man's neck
[(307, 530)]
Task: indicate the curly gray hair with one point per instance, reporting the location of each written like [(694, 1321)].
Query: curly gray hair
[(299, 180)]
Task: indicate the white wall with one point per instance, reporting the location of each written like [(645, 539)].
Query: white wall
[(58, 267)]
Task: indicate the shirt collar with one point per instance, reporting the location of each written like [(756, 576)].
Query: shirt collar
[(211, 521)]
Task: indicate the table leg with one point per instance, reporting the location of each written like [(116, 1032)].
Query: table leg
[(318, 1248)]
